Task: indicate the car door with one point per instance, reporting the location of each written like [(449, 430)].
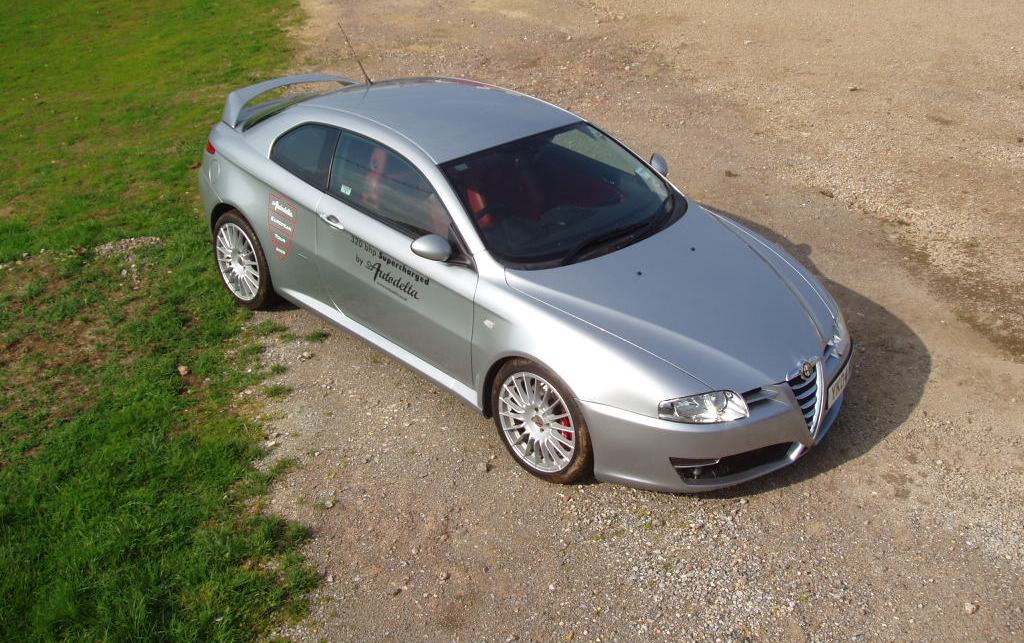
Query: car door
[(286, 212), (377, 204)]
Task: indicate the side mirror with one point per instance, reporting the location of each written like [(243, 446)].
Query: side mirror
[(659, 163), (433, 247)]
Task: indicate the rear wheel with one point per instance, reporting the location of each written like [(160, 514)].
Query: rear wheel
[(241, 262), (540, 422)]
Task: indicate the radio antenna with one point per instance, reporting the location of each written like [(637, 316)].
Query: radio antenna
[(354, 55)]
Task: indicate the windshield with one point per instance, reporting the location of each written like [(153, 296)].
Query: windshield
[(559, 196)]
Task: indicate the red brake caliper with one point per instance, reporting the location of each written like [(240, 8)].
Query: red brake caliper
[(565, 434)]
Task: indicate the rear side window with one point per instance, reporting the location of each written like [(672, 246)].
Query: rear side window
[(306, 152), (379, 181)]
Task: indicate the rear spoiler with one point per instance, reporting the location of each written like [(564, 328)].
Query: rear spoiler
[(238, 98)]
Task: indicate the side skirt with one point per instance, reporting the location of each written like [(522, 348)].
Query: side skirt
[(465, 394)]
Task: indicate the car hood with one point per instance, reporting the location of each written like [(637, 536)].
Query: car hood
[(706, 295)]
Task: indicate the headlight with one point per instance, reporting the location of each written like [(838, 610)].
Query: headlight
[(705, 408), (840, 335)]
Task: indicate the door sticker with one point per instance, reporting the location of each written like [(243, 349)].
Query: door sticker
[(283, 218), (388, 273)]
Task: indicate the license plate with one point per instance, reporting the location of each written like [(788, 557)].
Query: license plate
[(838, 385)]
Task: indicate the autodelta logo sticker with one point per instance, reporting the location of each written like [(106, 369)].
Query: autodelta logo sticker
[(388, 273), (283, 218)]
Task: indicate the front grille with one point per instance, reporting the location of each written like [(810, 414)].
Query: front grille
[(806, 392), (719, 468)]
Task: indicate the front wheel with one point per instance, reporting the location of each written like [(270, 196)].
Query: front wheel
[(540, 422), (241, 262)]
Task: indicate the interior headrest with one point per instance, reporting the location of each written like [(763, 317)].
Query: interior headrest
[(378, 160)]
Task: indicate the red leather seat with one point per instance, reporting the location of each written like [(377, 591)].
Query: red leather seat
[(477, 203), (501, 181)]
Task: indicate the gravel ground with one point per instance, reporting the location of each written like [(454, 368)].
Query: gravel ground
[(424, 527), (905, 524)]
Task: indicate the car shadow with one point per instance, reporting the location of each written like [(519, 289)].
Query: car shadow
[(891, 369), (280, 304)]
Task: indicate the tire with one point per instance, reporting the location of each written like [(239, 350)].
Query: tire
[(241, 262), (540, 439)]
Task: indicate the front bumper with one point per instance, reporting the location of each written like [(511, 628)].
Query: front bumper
[(641, 451)]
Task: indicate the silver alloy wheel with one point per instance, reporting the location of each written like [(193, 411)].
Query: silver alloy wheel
[(536, 422), (237, 260)]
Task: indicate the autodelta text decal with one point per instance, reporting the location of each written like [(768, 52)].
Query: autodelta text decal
[(387, 272), (282, 217)]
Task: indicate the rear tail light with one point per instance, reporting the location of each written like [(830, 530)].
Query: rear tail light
[(210, 148)]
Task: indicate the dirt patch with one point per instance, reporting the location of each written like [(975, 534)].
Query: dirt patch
[(126, 246), (146, 191)]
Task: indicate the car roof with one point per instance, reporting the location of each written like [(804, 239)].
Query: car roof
[(448, 118)]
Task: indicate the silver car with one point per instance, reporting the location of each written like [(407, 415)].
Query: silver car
[(529, 263)]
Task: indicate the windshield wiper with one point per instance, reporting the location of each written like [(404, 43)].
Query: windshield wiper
[(603, 239), (600, 240)]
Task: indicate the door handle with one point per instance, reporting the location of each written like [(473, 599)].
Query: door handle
[(332, 220)]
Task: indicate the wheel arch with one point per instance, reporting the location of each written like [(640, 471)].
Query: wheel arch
[(492, 373), (220, 210), (488, 384)]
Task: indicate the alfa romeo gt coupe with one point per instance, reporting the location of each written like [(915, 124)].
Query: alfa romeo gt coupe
[(526, 261)]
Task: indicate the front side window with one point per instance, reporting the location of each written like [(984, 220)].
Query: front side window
[(560, 196), (306, 152), (378, 180)]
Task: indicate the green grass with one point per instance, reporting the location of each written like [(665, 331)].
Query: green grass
[(268, 327), (277, 390), (127, 494), (317, 336)]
